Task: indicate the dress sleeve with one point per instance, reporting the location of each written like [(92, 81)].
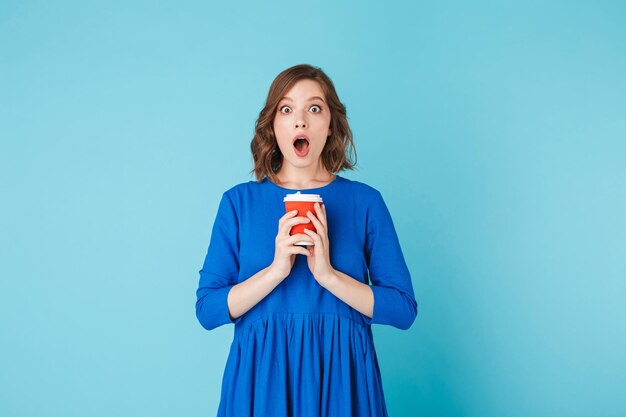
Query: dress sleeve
[(220, 269), (394, 300)]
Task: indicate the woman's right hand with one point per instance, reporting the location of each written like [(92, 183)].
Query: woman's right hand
[(285, 251)]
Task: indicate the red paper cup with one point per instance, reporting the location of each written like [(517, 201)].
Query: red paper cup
[(303, 203)]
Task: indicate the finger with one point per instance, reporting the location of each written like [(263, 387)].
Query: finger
[(299, 237), (323, 219), (321, 213), (285, 229), (292, 250), (316, 237), (290, 240), (287, 215), (318, 225), (296, 220)]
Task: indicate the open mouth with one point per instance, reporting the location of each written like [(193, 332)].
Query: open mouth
[(301, 146)]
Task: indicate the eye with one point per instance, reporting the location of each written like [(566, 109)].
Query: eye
[(315, 106)]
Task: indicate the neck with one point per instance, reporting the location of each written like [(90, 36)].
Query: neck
[(304, 177)]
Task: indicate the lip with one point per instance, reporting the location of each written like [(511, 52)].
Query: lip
[(300, 135), (306, 152)]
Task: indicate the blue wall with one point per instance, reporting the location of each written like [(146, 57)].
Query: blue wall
[(496, 133)]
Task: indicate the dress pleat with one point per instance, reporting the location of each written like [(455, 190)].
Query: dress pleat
[(313, 365)]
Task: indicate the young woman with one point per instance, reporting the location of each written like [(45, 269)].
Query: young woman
[(302, 341)]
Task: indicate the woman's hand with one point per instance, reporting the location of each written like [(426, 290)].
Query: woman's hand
[(285, 251), (319, 257)]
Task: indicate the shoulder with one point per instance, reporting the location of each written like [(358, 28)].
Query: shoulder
[(364, 191), (237, 188), (242, 190), (370, 200)]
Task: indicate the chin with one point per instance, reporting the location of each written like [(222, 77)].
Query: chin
[(309, 160)]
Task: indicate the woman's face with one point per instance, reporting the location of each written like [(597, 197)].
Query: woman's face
[(302, 112)]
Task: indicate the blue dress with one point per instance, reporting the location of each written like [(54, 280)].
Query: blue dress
[(301, 351)]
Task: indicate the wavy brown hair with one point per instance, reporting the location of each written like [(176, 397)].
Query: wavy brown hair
[(338, 153)]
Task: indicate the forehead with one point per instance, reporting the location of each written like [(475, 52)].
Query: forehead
[(304, 90)]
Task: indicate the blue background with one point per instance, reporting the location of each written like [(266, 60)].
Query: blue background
[(496, 132)]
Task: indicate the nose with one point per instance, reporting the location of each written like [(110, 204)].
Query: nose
[(300, 117)]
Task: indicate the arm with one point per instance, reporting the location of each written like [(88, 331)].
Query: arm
[(357, 295), (393, 299), (220, 270), (245, 295), (220, 300)]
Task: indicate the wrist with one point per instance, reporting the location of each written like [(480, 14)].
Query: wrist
[(331, 278), (272, 275)]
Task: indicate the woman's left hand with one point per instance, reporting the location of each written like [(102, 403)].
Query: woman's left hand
[(319, 258)]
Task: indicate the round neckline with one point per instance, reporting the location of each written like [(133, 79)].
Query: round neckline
[(335, 180)]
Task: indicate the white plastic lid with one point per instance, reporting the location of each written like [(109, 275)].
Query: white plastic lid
[(298, 196)]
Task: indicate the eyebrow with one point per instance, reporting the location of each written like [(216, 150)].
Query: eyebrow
[(310, 99)]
